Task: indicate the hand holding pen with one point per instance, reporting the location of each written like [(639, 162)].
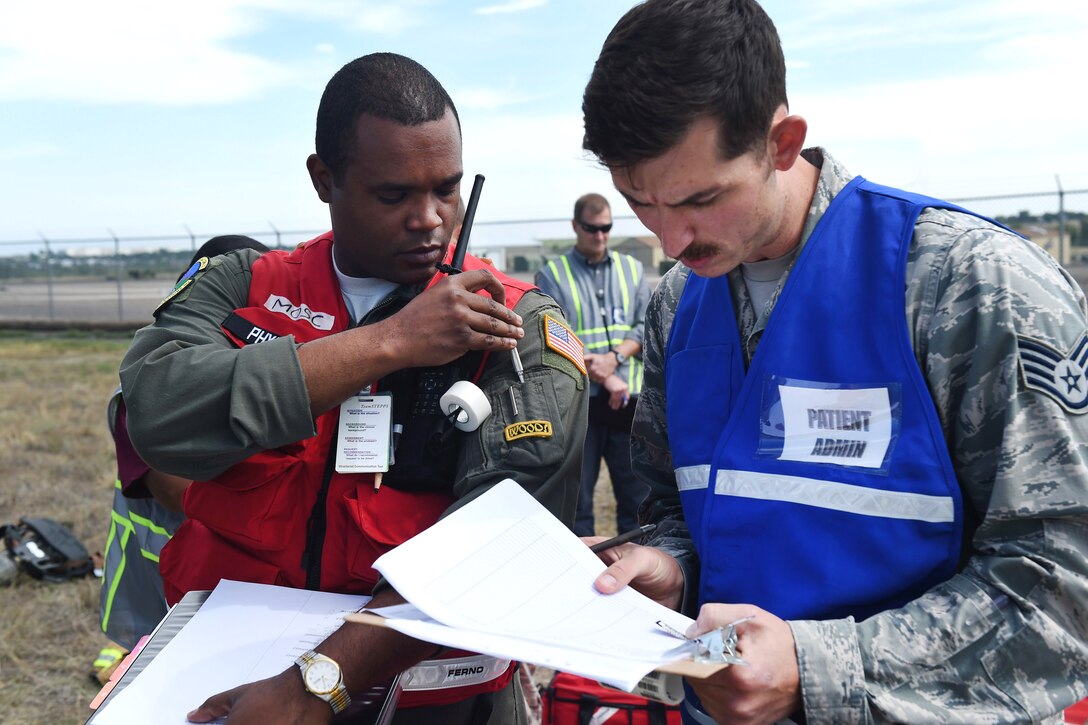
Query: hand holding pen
[(624, 538), (647, 569)]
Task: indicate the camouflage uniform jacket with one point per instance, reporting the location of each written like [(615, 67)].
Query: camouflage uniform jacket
[(1004, 640)]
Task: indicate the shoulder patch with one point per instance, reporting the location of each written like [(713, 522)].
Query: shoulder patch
[(183, 284), (562, 340), (1058, 375)]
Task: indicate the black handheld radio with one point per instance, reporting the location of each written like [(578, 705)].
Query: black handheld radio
[(425, 453)]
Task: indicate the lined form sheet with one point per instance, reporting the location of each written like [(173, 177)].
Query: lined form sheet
[(505, 577), (243, 632)]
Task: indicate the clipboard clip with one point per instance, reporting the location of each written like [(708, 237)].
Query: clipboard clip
[(718, 646)]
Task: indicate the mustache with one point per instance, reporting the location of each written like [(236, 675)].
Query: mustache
[(696, 250)]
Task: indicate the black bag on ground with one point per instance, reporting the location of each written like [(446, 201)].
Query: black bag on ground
[(46, 550)]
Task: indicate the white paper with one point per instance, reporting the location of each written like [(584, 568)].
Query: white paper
[(243, 632), (841, 426), (363, 435), (517, 583)]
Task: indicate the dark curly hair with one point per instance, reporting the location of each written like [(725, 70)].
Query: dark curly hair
[(669, 62)]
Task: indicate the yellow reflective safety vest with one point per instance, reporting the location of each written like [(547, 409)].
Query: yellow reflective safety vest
[(132, 600), (604, 302)]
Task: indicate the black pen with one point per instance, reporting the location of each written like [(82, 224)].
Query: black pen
[(622, 538)]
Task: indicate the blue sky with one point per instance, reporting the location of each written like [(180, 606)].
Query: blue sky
[(154, 118)]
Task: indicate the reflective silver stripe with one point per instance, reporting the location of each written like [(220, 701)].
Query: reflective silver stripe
[(454, 672), (836, 496), (691, 478)]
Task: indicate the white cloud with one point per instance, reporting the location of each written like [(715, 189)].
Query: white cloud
[(387, 19), (534, 164), (850, 27), (992, 106), (959, 136), (130, 51), (489, 99), (514, 6)]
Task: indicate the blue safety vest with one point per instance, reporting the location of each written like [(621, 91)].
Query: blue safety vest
[(818, 485)]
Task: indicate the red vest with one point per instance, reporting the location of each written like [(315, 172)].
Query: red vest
[(250, 522)]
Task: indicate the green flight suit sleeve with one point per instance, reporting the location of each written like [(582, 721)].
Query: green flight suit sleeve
[(546, 462), (196, 403)]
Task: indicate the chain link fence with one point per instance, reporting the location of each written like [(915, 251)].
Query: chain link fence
[(118, 281)]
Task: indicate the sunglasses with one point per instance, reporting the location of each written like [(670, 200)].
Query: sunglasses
[(594, 228)]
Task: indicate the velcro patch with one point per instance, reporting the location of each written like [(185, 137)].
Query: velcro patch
[(528, 429), (185, 282), (1060, 376), (562, 340), (246, 332)]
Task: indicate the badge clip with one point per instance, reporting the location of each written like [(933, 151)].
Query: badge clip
[(717, 646)]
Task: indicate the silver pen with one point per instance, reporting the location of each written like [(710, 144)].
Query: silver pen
[(517, 364)]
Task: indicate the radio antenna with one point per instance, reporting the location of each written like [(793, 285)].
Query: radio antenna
[(454, 267)]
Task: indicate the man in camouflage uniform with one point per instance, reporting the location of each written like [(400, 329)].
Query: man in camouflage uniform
[(995, 330)]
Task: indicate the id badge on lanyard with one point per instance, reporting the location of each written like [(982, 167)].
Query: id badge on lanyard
[(364, 438)]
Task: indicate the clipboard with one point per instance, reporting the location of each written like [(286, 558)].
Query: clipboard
[(682, 667)]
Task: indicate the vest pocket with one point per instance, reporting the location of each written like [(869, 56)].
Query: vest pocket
[(254, 504), (698, 400), (383, 519)]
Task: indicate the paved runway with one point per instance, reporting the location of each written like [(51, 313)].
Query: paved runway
[(88, 301)]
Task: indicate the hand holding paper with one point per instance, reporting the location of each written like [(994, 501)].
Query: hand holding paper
[(503, 576)]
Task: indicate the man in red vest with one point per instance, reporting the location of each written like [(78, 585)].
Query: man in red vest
[(253, 365)]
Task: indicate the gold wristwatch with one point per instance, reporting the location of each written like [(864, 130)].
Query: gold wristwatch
[(321, 676)]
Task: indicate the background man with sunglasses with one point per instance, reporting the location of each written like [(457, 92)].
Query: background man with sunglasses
[(604, 295)]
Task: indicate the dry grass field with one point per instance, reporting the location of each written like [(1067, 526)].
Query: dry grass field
[(56, 461)]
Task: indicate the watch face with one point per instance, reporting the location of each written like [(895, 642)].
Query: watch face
[(322, 676)]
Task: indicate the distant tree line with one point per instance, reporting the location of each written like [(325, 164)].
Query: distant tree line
[(1076, 224), (141, 265), (164, 263)]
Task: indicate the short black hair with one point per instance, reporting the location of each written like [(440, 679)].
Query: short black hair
[(668, 63), (223, 244), (385, 85)]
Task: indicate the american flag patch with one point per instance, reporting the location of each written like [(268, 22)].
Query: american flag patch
[(559, 337), (1062, 376)]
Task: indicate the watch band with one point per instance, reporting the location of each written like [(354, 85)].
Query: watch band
[(337, 697), (620, 357)]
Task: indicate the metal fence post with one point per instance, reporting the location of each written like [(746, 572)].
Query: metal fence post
[(1061, 223), (120, 274), (192, 239), (48, 277)]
